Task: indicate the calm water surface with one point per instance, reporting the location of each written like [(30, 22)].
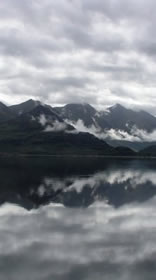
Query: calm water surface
[(78, 220)]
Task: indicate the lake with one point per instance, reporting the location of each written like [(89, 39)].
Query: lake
[(75, 218)]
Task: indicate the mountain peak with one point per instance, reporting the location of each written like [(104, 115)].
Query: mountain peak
[(77, 111), (83, 104), (25, 107), (116, 106), (80, 106), (32, 101)]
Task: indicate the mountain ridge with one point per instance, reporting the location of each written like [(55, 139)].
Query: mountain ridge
[(38, 117), (41, 130)]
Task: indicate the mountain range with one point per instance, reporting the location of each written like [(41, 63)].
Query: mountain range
[(117, 125), (75, 129), (115, 117)]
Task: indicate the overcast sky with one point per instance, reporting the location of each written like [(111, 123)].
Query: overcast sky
[(96, 51)]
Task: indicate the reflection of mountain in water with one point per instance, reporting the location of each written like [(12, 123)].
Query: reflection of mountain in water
[(116, 185)]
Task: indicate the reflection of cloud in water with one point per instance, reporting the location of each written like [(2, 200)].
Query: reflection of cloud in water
[(116, 187), (135, 177), (117, 184), (99, 242)]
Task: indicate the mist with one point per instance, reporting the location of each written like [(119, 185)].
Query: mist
[(50, 125), (136, 135)]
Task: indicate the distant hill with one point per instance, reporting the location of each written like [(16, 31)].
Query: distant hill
[(149, 151), (134, 145)]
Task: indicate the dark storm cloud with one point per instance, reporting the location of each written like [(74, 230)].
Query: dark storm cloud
[(69, 50)]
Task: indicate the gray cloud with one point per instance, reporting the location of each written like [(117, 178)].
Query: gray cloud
[(100, 52)]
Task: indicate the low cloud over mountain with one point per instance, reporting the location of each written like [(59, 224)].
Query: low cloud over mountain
[(114, 123), (117, 125)]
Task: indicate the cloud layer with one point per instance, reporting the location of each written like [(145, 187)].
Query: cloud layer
[(100, 52), (135, 135)]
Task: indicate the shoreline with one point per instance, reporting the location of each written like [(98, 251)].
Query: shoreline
[(11, 155)]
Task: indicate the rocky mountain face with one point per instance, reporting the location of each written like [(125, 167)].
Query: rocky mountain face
[(75, 112), (125, 119), (118, 125), (116, 117), (24, 107), (84, 112)]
